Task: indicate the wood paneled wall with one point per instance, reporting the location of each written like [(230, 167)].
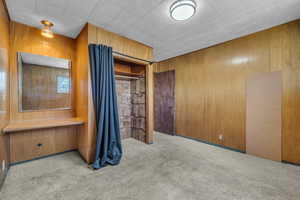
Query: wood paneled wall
[(119, 43), (39, 88), (84, 105), (24, 145), (4, 87), (28, 39), (83, 97), (27, 145), (211, 93)]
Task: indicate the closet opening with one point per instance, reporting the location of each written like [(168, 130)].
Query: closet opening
[(131, 96)]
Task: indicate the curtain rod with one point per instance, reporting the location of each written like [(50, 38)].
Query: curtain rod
[(151, 62), (126, 77)]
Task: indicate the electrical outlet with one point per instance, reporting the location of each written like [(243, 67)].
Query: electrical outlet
[(221, 137), (3, 165)]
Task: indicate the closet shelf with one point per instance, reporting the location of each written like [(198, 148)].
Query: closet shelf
[(41, 124)]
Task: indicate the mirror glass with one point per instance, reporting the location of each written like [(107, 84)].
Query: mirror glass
[(44, 82)]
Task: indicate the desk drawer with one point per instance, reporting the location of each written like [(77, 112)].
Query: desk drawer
[(28, 145)]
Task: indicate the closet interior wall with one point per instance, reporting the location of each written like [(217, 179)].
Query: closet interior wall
[(131, 95)]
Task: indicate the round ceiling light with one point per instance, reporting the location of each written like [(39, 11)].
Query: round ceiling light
[(183, 9)]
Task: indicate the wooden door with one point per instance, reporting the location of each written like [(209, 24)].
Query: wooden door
[(164, 102), (263, 119)]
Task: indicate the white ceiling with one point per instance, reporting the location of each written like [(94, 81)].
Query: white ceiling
[(148, 21)]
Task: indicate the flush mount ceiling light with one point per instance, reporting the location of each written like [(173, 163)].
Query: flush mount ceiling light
[(46, 31), (183, 9)]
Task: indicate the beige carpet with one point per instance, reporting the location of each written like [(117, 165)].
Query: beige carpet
[(172, 168)]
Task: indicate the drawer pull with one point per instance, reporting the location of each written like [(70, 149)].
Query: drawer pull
[(39, 145)]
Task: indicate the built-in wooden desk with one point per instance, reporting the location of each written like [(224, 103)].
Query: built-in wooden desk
[(34, 139), (41, 124)]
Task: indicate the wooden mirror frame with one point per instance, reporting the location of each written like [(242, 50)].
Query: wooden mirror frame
[(20, 88)]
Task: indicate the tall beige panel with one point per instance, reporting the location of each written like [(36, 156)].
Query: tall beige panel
[(263, 116)]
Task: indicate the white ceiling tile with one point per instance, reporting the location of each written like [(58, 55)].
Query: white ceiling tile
[(79, 8), (73, 29), (17, 4), (149, 21), (53, 8), (104, 14)]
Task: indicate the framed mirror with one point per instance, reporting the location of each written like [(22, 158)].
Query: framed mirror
[(44, 82)]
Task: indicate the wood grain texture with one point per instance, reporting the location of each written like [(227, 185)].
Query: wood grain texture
[(211, 93), (28, 39), (263, 115), (82, 95), (39, 88), (149, 104), (23, 144), (129, 69), (41, 124), (119, 43), (28, 145), (4, 88), (164, 102), (84, 104)]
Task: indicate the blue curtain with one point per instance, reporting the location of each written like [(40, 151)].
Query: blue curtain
[(108, 144)]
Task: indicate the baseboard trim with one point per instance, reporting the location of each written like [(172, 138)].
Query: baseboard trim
[(291, 163), (212, 144), (39, 158)]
